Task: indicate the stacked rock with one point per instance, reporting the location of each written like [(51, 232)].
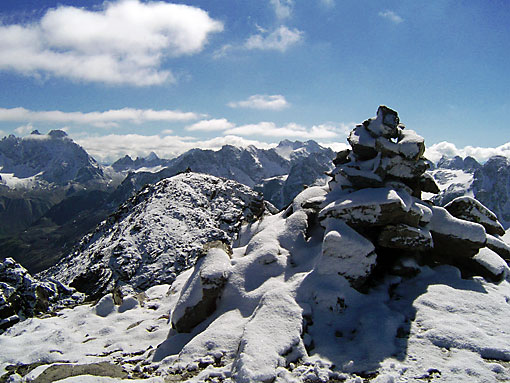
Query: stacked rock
[(374, 215), (384, 153)]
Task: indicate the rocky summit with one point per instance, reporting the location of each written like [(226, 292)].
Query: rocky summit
[(158, 233)]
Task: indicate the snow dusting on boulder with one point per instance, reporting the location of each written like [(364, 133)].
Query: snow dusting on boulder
[(158, 233)]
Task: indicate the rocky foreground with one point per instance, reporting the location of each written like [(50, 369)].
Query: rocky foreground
[(357, 280)]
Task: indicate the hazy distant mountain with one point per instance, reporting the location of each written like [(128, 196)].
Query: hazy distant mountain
[(52, 158), (152, 161), (488, 182), (52, 192)]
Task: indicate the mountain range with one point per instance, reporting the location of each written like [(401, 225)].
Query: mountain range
[(52, 192)]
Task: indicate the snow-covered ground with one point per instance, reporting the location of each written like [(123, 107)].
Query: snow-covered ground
[(433, 327), (13, 182)]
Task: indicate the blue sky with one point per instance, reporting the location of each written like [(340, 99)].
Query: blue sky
[(137, 76)]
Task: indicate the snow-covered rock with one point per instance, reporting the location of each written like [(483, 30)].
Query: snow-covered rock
[(346, 252), (379, 206), (158, 233), (455, 236), (198, 299), (23, 296), (493, 267), (469, 209), (499, 246)]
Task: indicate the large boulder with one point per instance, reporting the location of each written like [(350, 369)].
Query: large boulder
[(455, 237), (470, 209), (346, 252), (376, 207), (198, 299)]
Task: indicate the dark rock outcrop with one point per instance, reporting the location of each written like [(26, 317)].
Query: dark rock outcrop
[(23, 296)]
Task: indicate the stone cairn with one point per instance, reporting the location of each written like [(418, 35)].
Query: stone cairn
[(376, 221)]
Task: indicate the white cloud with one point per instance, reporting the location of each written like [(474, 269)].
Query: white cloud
[(292, 130), (24, 129), (261, 101), (282, 8), (211, 125), (335, 146), (123, 43), (391, 16), (436, 151), (109, 148), (328, 3), (107, 118), (280, 39)]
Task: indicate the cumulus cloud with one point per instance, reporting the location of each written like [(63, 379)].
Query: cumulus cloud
[(282, 8), (211, 125), (261, 101), (481, 154), (109, 148), (391, 16), (335, 146), (280, 39), (292, 130), (123, 43), (24, 129), (107, 118)]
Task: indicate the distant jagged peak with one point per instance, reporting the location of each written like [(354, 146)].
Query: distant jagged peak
[(458, 163), (287, 148), (52, 157), (57, 133), (497, 161), (152, 157)]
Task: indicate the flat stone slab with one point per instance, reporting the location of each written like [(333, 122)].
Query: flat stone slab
[(376, 206), (405, 237)]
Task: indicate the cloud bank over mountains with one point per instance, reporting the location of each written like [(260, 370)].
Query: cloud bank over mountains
[(170, 142), (481, 154), (123, 43), (109, 118)]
